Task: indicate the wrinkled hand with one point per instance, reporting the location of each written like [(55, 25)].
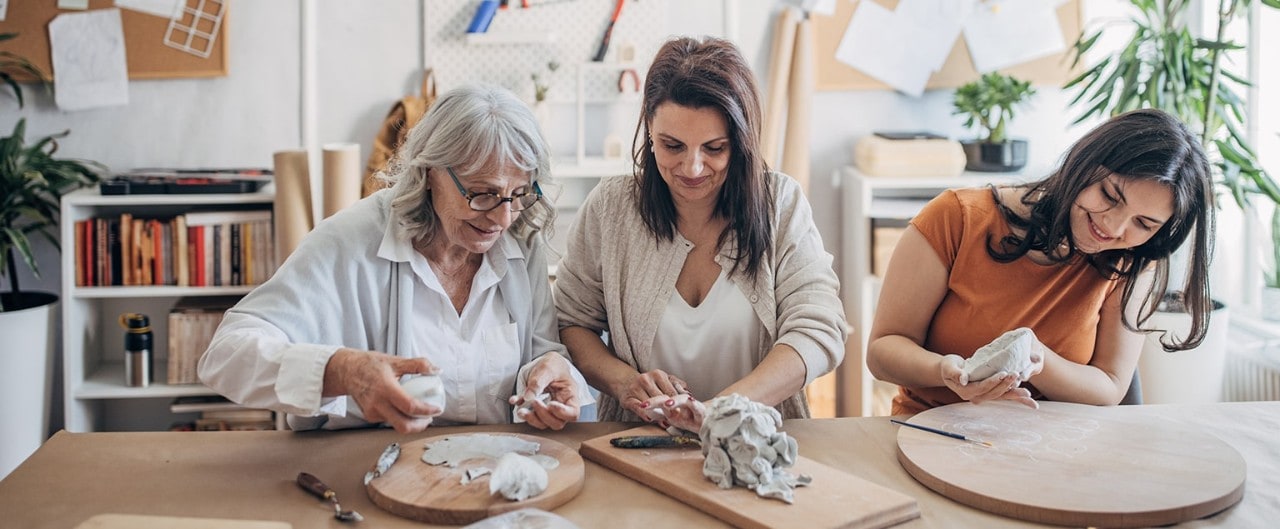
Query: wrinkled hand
[(550, 375), (1001, 386), (644, 386), (372, 379)]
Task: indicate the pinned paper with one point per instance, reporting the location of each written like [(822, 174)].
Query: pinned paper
[(76, 5), (4, 9), (880, 44), (1002, 33), (87, 52)]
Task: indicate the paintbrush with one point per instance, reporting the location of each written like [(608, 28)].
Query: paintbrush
[(941, 432)]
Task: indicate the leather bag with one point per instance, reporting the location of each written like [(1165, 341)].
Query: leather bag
[(395, 129)]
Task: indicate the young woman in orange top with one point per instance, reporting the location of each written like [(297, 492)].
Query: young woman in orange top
[(1080, 257)]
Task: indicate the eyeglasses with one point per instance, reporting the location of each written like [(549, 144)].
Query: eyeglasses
[(520, 200)]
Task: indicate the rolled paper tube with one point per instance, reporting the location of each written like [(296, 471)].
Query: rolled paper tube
[(795, 157), (293, 218), (342, 176), (784, 38)]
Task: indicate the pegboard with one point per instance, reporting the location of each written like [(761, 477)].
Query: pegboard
[(565, 31)]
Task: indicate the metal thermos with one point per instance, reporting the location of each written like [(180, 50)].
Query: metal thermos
[(137, 349)]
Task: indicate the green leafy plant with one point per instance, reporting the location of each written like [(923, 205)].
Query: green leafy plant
[(1272, 269), (1164, 66), (989, 103), (541, 87), (32, 182), (11, 63)]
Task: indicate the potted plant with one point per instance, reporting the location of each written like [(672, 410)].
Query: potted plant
[(1271, 272), (1164, 66), (32, 182), (989, 103), (541, 86)]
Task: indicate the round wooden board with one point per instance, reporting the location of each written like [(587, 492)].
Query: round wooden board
[(435, 494), (1073, 464)]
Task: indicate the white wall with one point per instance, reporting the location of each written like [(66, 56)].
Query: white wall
[(368, 56)]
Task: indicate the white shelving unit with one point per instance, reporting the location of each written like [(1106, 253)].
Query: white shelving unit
[(867, 199), (95, 395)]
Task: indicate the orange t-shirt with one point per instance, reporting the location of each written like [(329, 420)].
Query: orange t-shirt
[(985, 298)]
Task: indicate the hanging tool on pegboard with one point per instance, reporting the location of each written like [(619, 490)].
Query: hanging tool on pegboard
[(608, 32)]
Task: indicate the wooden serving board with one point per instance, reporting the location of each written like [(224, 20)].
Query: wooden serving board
[(1073, 464), (435, 493), (834, 499)]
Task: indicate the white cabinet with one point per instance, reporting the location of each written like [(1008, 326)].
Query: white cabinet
[(94, 392), (867, 199)]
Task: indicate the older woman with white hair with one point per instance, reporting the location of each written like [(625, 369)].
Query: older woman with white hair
[(444, 274)]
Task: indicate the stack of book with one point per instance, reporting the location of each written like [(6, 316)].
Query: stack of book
[(192, 323), (213, 248), (219, 414)]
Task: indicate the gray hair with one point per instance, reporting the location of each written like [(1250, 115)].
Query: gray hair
[(471, 128)]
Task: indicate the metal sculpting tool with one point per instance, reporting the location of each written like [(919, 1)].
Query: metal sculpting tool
[(941, 432), (655, 441)]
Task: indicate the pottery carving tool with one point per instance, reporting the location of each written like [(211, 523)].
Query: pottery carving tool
[(655, 441), (318, 489), (388, 458), (941, 432)]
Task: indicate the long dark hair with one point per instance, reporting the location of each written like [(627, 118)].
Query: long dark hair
[(1139, 145), (709, 73)]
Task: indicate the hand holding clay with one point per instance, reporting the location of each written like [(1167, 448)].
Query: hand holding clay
[(372, 379), (550, 398), (1017, 352), (999, 386), (679, 411), (426, 388), (645, 386)]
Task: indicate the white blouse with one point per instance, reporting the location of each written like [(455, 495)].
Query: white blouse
[(707, 346)]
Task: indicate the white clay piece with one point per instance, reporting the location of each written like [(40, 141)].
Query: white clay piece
[(1010, 353), (517, 477), (453, 450), (426, 388), (743, 447)]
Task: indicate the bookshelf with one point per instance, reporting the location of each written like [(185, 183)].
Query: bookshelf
[(95, 396)]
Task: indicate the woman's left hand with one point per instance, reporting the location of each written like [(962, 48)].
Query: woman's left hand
[(682, 411), (550, 375)]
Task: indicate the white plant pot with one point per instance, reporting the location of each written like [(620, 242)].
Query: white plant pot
[(1184, 377), (26, 369), (1271, 303)]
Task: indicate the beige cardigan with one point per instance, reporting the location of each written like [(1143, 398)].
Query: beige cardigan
[(618, 277)]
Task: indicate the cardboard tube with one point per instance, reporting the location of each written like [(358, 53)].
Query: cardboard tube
[(342, 176), (293, 201), (784, 37), (795, 157)]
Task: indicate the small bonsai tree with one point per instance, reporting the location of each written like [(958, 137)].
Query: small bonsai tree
[(989, 103)]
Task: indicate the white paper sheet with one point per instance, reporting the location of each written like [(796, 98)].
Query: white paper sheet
[(4, 9), (934, 25), (1002, 33), (73, 4), (165, 9), (881, 45), (89, 68)]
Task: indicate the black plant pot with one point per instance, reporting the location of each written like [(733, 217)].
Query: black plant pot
[(1010, 155)]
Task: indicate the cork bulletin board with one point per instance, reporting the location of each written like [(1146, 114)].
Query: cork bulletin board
[(147, 55), (834, 75)]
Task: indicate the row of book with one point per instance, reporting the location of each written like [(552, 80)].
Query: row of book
[(220, 414), (214, 248)]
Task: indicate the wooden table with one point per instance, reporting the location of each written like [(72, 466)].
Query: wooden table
[(250, 475)]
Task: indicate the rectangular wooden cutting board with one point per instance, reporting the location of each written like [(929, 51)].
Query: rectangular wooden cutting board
[(834, 500)]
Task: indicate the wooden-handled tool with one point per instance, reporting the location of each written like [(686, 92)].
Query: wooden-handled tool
[(317, 488), (608, 32)]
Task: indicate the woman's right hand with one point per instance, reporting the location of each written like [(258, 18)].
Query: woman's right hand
[(1001, 386), (644, 386), (373, 380)]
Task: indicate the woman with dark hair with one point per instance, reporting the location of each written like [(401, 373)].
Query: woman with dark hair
[(704, 267), (1081, 258), (445, 273)]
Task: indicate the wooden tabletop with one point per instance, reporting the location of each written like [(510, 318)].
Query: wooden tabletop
[(250, 475)]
